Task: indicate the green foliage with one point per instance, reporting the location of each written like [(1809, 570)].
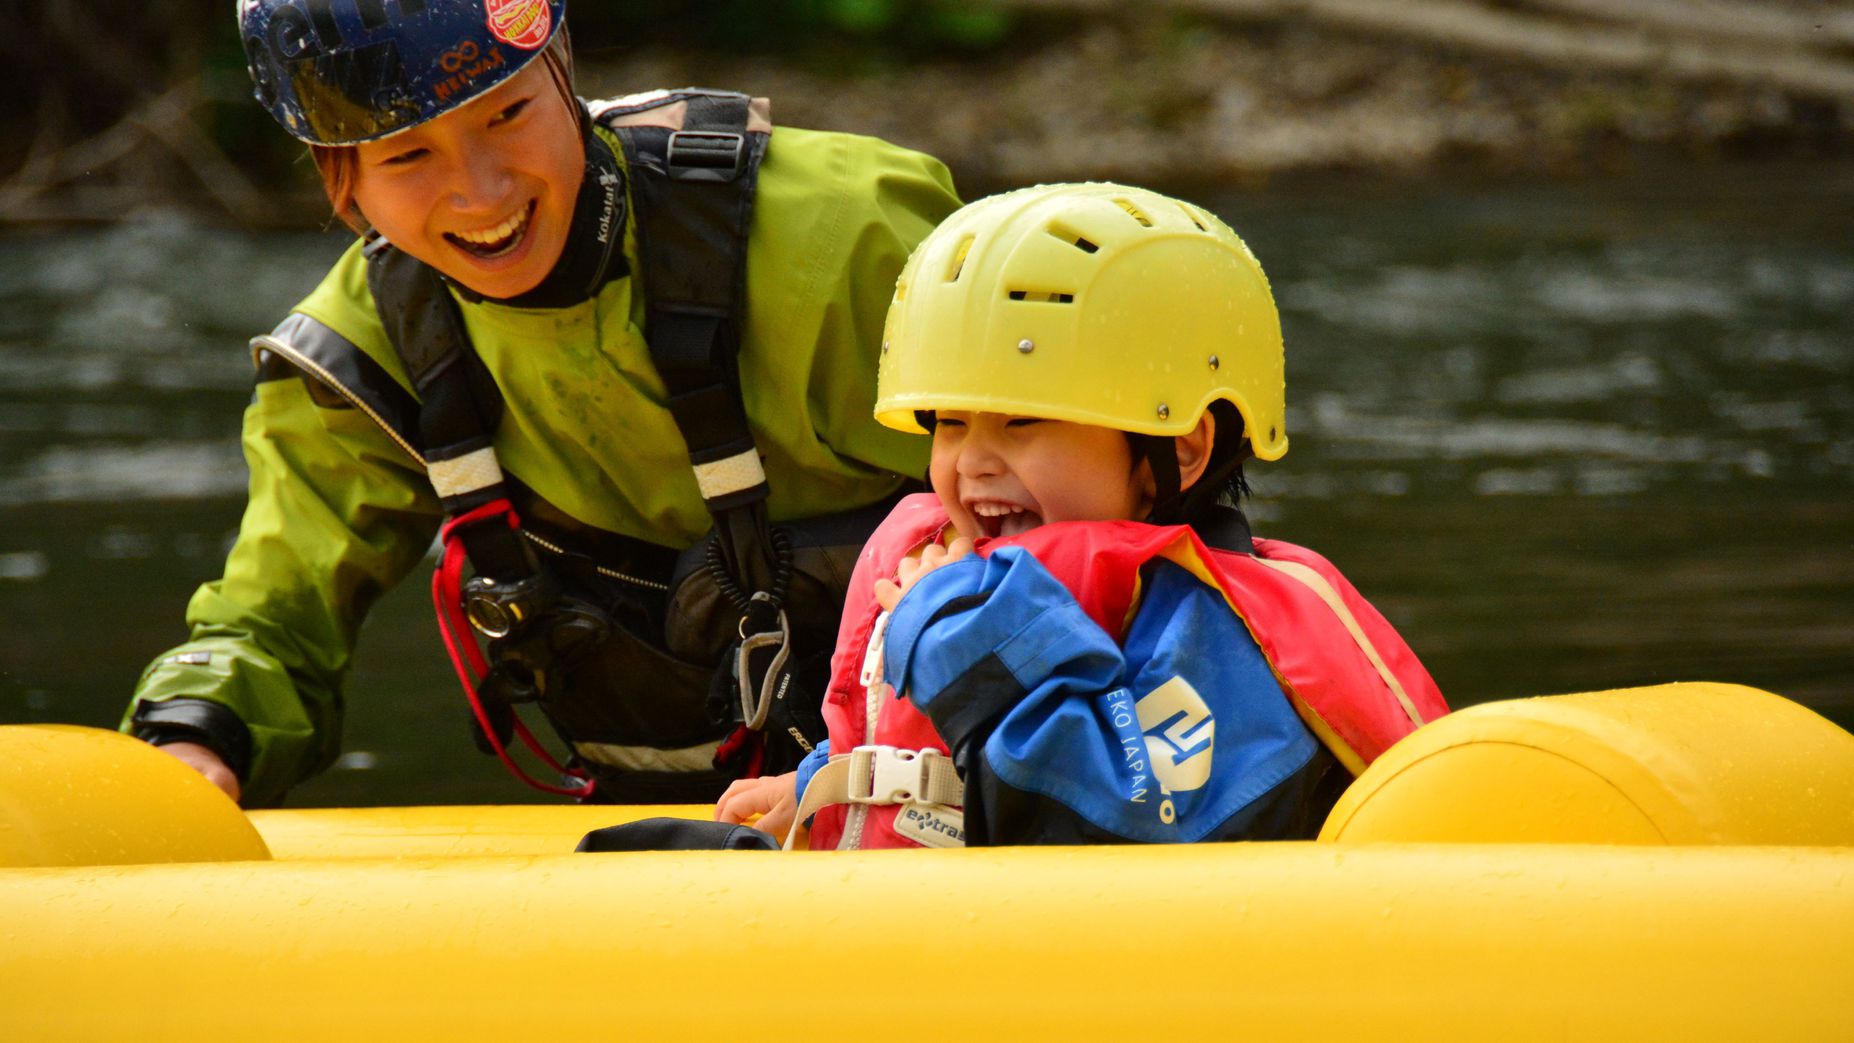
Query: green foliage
[(969, 26), (868, 17), (908, 27)]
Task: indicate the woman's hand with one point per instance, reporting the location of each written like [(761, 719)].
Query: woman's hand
[(888, 593), (774, 798), (207, 763)]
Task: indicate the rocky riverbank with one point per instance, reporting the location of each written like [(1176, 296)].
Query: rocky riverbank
[(1179, 103), (1167, 92)]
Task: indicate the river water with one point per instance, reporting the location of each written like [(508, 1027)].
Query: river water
[(1567, 435)]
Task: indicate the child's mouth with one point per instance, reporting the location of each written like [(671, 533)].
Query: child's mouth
[(1004, 519), (498, 241)]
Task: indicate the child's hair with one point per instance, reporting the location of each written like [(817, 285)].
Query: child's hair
[(339, 165)]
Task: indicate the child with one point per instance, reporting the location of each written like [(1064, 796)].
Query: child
[(1078, 620)]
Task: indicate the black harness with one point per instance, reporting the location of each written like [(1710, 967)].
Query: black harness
[(560, 635)]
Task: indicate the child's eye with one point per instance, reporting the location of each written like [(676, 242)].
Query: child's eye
[(399, 159), (511, 112), (949, 423), (1023, 421)]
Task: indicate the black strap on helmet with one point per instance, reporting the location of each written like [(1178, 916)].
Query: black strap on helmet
[(1172, 505), (1161, 453)]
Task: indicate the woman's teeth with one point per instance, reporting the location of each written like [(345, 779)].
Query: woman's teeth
[(493, 242)]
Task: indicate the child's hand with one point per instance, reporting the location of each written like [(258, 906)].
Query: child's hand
[(774, 798), (888, 592)]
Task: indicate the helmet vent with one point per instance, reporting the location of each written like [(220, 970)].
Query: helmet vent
[(1080, 242), (1138, 214), (1192, 214), (1039, 296), (959, 260)]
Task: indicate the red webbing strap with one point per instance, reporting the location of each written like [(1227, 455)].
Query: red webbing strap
[(743, 741), (467, 659)]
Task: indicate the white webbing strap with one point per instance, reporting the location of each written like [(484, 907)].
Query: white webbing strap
[(649, 758), (1315, 582), (730, 475), (881, 775), (464, 474), (663, 108)]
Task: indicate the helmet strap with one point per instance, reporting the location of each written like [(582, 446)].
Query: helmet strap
[(1172, 505), (1161, 454)]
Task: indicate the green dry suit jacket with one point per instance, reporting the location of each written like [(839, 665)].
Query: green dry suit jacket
[(339, 511)]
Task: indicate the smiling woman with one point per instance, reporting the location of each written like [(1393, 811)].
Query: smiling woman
[(483, 193), (484, 356), (340, 163)]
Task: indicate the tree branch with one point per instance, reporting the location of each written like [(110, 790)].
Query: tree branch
[(1630, 49)]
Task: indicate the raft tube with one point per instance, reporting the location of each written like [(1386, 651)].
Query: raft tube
[(1669, 764), (1698, 934)]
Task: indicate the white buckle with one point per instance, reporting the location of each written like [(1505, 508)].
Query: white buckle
[(889, 775)]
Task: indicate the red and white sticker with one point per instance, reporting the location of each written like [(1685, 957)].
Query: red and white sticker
[(519, 23)]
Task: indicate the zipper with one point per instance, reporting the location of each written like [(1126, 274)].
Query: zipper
[(647, 584), (270, 343)]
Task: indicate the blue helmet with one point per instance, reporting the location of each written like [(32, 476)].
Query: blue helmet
[(339, 72)]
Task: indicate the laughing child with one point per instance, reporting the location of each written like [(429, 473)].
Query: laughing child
[(1076, 638)]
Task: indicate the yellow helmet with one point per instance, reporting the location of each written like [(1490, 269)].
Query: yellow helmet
[(1096, 303)]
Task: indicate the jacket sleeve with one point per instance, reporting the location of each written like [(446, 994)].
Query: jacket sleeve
[(1181, 733), (893, 197), (336, 515), (835, 220)]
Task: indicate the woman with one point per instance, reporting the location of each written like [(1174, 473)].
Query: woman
[(589, 334)]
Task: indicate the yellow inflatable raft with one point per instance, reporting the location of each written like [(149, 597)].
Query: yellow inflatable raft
[(1668, 862)]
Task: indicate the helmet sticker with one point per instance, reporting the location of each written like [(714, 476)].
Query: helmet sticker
[(459, 56), (464, 63), (519, 23)]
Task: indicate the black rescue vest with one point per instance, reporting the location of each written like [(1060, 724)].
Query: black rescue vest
[(667, 673)]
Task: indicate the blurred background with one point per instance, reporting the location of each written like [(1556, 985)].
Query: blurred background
[(1568, 290)]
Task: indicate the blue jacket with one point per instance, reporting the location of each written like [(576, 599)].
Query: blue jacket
[(1179, 733)]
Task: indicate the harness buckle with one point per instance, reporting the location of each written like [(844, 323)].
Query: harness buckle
[(498, 609), (705, 155), (756, 702), (890, 775)]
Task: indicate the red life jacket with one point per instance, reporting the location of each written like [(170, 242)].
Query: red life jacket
[(1355, 708)]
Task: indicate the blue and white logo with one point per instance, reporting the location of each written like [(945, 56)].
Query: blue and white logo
[(1180, 735)]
